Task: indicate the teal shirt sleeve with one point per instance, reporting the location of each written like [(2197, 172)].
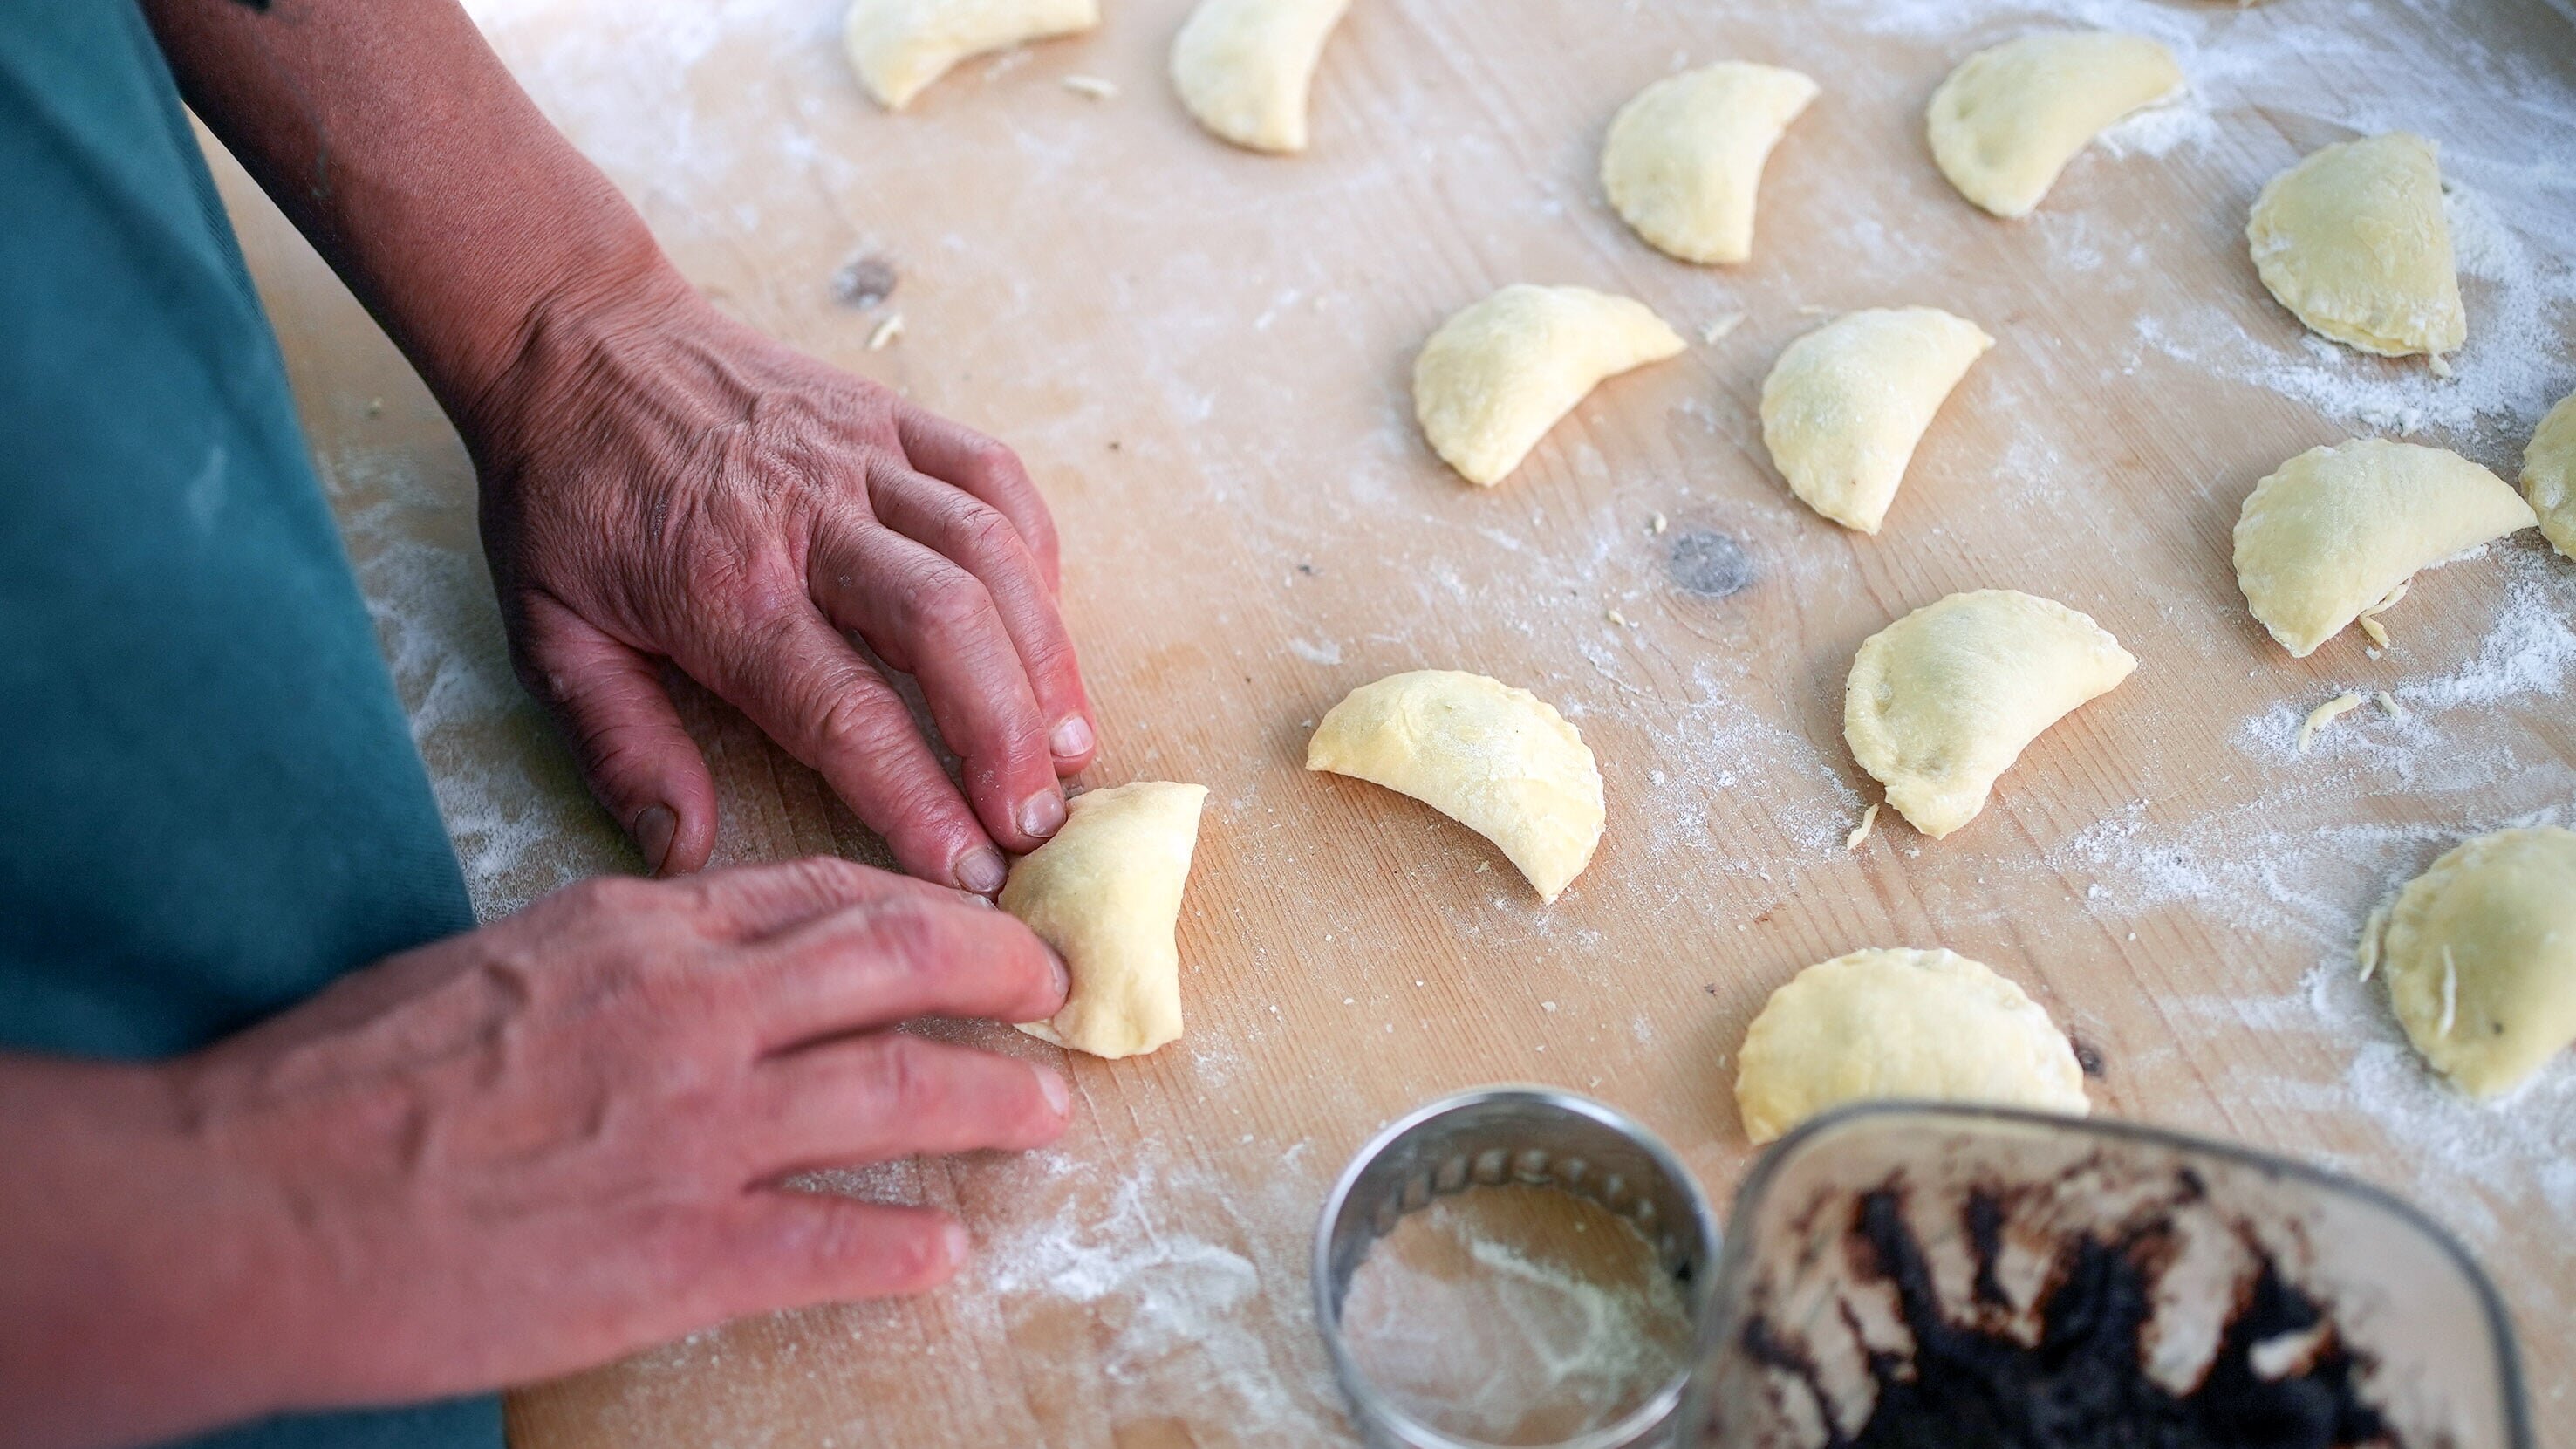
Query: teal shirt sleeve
[(210, 805)]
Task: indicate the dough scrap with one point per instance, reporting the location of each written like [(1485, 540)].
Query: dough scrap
[(1105, 892), (2480, 956), (1846, 404), (1498, 375), (2354, 242), (2549, 475), (1684, 157), (1242, 67), (2008, 119), (1498, 760), (1897, 1023), (2337, 529), (1941, 702), (900, 46)]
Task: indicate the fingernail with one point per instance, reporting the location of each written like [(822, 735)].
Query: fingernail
[(1042, 814), (980, 870), (1063, 976), (1051, 1085), (958, 1244), (1071, 738), (655, 829)]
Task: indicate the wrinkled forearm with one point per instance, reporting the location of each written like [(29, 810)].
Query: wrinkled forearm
[(138, 1297), (392, 136)]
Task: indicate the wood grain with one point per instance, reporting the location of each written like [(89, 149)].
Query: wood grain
[(1202, 356)]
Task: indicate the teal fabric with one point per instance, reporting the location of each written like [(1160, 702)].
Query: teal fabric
[(209, 801)]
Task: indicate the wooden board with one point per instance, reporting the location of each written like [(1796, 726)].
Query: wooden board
[(1203, 355)]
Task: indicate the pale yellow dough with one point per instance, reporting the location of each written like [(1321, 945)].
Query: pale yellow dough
[(1242, 67), (1941, 702), (2336, 530), (1844, 407), (1897, 1023), (900, 46), (1498, 375), (2010, 118), (2549, 475), (1106, 894), (2480, 955), (1684, 158), (1498, 760), (2354, 242)]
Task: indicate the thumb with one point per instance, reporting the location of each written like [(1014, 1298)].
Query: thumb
[(608, 699)]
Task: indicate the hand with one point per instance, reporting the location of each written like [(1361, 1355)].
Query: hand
[(661, 482), (509, 1154)]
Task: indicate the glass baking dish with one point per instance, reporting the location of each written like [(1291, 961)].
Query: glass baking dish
[(1915, 1274)]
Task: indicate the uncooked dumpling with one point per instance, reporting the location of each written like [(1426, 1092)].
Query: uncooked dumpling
[(1684, 158), (2338, 529), (1242, 67), (2549, 475), (1498, 760), (1941, 702), (2010, 118), (2480, 955), (2353, 241), (1105, 892), (1498, 375), (1895, 1023), (1845, 404), (900, 46)]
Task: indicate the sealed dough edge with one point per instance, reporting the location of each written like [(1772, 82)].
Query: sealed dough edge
[(2354, 242), (898, 47), (2009, 119), (1683, 162), (2549, 475), (1942, 702), (1499, 373), (1845, 406), (1891, 1022), (1105, 892), (1242, 68), (2480, 957), (2334, 531), (1498, 760)]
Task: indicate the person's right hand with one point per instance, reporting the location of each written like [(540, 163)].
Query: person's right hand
[(509, 1154)]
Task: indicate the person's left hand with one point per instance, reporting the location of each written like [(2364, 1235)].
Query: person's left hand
[(661, 482)]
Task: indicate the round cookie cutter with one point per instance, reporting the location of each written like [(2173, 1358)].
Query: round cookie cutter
[(1500, 1137)]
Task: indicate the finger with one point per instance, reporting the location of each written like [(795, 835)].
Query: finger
[(931, 618), (784, 1248), (752, 902), (958, 455), (898, 956), (806, 688), (875, 1098), (978, 538), (640, 763)]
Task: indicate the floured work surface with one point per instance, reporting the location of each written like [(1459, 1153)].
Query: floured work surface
[(1202, 355)]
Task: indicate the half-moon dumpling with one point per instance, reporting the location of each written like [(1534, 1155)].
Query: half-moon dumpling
[(2010, 118), (1845, 404), (1105, 892), (1941, 702), (900, 46), (2549, 475), (1242, 67), (1498, 760), (2480, 952), (1892, 1023), (2336, 530), (1498, 375), (2354, 242), (1684, 158)]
